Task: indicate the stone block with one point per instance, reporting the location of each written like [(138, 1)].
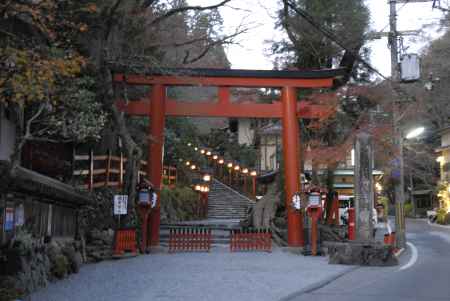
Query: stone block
[(363, 254)]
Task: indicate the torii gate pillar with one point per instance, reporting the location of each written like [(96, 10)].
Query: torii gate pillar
[(155, 162), (291, 144)]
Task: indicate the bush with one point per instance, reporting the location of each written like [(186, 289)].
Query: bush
[(60, 267), (385, 201), (443, 217), (408, 209), (8, 291), (178, 204)]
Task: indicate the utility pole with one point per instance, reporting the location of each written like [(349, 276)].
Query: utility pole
[(395, 77)]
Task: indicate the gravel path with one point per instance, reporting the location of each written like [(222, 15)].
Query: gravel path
[(216, 276)]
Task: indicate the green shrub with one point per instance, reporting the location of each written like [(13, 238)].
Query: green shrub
[(443, 217), (179, 203), (408, 209), (8, 291), (385, 201), (60, 266)]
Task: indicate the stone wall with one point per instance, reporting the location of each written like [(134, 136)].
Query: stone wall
[(28, 264)]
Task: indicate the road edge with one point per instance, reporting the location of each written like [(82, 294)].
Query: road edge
[(318, 285), (437, 225)]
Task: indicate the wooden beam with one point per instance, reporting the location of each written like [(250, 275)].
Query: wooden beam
[(225, 81), (238, 110)]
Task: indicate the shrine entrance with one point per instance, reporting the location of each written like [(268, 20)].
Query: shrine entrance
[(287, 108)]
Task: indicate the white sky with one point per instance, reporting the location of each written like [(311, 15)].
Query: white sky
[(259, 14)]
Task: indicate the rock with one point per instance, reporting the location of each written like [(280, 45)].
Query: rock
[(73, 257), (76, 262), (357, 253)]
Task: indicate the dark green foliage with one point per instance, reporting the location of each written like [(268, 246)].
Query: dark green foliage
[(306, 47), (60, 267), (178, 204), (7, 290)]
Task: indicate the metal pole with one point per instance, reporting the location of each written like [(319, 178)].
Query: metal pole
[(413, 201), (399, 186)]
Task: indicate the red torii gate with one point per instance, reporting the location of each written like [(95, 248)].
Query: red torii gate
[(288, 109)]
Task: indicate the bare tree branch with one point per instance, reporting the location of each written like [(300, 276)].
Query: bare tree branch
[(225, 40), (15, 158), (178, 10)]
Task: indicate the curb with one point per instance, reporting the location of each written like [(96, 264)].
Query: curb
[(399, 252), (437, 225), (318, 285)]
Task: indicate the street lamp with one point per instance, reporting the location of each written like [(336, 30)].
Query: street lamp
[(400, 228), (188, 163), (245, 172), (415, 133), (230, 169), (236, 169), (206, 177), (254, 174), (193, 167), (202, 151)]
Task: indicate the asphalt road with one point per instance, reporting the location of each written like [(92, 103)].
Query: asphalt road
[(423, 273)]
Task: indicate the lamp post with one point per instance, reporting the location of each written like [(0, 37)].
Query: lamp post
[(236, 169), (400, 228), (245, 172), (230, 169), (221, 162), (253, 174)]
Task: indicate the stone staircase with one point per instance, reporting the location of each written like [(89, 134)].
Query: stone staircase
[(226, 203), (226, 207)]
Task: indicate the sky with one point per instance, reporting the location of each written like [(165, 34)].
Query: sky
[(251, 53)]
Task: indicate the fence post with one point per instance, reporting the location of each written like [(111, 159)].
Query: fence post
[(91, 170), (176, 175), (121, 171), (351, 224), (108, 168)]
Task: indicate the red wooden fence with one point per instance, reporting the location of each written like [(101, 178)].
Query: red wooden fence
[(186, 239), (108, 170), (125, 241), (251, 240)]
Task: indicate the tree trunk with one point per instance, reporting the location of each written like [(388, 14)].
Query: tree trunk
[(265, 209), (132, 151)]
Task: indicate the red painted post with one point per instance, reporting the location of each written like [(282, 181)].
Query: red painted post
[(155, 164), (245, 184), (351, 224), (254, 187), (143, 211), (314, 212), (291, 164)]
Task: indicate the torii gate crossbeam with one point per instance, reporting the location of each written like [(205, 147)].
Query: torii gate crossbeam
[(288, 109)]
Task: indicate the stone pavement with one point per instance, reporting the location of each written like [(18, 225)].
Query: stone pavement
[(219, 275)]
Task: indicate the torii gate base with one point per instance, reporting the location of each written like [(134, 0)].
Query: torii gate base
[(289, 110)]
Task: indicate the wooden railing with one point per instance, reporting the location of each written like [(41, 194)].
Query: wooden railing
[(108, 171), (251, 240), (190, 239)]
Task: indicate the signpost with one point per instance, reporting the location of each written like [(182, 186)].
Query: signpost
[(9, 219), (120, 205)]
